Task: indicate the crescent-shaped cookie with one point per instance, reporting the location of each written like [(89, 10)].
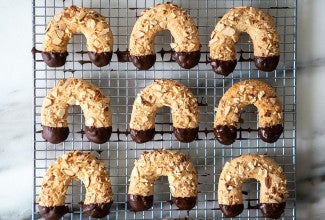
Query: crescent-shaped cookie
[(273, 185), (186, 45), (240, 95), (75, 165), (261, 29), (74, 20), (181, 173), (94, 104), (184, 109)]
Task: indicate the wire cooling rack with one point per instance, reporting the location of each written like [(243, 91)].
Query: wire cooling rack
[(121, 81)]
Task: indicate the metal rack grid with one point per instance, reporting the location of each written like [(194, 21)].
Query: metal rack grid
[(121, 81)]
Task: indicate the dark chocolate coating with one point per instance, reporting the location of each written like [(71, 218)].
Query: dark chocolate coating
[(270, 134), (187, 60), (186, 203), (98, 135), (266, 64), (225, 134), (143, 62), (100, 59), (123, 56), (272, 210), (186, 135), (231, 210), (140, 203), (53, 213), (223, 67), (54, 59), (55, 135), (96, 210), (142, 136)]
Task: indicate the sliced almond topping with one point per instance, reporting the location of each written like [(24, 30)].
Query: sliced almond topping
[(228, 31)]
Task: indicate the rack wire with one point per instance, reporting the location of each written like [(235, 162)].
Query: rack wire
[(121, 81)]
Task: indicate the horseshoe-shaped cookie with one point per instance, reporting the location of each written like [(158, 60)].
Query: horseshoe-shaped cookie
[(74, 20), (261, 29), (273, 185), (182, 178), (186, 48), (75, 165), (184, 109), (94, 104), (240, 95)]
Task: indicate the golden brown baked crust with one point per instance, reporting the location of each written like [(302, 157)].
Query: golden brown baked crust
[(94, 104), (259, 25), (182, 175), (74, 20), (164, 16), (273, 184), (186, 47), (182, 178), (248, 92), (183, 104), (75, 165)]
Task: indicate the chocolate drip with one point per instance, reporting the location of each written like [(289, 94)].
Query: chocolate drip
[(272, 210), (162, 52), (54, 212), (143, 62), (250, 206), (98, 210), (187, 60), (231, 210), (225, 134), (140, 203), (34, 52), (223, 67), (142, 136), (242, 59), (201, 103), (54, 59), (270, 134), (82, 52), (82, 62), (100, 59), (186, 135), (98, 135), (122, 56), (267, 64), (55, 135), (186, 203), (69, 70)]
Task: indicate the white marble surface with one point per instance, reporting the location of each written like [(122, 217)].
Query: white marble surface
[(16, 110)]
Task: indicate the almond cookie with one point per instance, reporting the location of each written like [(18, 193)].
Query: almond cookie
[(74, 20), (186, 48), (94, 104), (182, 178), (239, 96), (273, 185), (184, 109), (71, 166), (261, 29)]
